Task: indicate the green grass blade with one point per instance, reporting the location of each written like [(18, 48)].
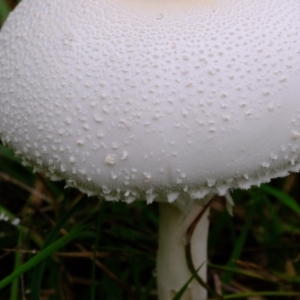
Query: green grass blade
[(282, 197), (4, 11), (56, 229), (39, 270), (239, 245), (267, 277), (42, 255), (7, 153), (183, 289)]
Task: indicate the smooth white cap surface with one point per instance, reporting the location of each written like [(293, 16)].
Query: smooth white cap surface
[(132, 98)]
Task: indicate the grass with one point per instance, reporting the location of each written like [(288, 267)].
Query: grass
[(58, 244)]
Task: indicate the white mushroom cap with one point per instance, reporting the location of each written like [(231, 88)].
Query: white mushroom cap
[(134, 97)]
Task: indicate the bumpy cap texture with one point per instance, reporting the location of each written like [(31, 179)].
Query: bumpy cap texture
[(134, 99)]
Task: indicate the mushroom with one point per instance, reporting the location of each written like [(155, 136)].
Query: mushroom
[(170, 101)]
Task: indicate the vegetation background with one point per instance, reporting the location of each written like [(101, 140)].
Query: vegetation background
[(57, 244)]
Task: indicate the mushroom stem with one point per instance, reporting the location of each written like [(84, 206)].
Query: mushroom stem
[(172, 267)]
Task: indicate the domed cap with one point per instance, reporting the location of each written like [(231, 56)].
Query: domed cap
[(127, 98)]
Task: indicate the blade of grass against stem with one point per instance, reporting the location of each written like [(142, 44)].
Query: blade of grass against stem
[(239, 244), (39, 270), (282, 197), (183, 289), (77, 230), (97, 238), (4, 11)]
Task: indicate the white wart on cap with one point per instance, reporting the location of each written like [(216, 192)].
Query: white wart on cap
[(126, 98)]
